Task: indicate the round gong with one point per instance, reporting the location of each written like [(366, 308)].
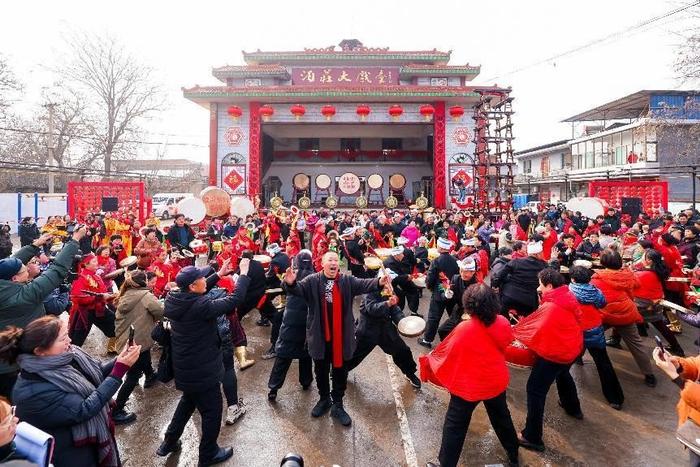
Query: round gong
[(375, 181), (397, 181), (349, 183), (301, 182), (216, 200), (323, 181)]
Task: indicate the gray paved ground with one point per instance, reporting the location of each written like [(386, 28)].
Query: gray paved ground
[(641, 434)]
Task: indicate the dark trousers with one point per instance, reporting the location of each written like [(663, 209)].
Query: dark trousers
[(391, 344), (450, 323), (276, 325), (209, 405), (410, 297), (357, 270), (230, 382), (508, 304), (543, 374), (608, 378), (7, 383), (324, 371), (138, 369), (434, 316), (457, 418), (104, 323), (280, 368)]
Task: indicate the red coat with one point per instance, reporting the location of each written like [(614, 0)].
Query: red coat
[(650, 287), (470, 362), (547, 245), (674, 262), (165, 272), (618, 288), (82, 303), (554, 330)]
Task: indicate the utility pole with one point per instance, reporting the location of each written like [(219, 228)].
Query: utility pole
[(50, 161), (694, 175)]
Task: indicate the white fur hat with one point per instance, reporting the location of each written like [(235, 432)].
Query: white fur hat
[(444, 243), (467, 264)]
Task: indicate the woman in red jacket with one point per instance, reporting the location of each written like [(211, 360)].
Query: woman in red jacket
[(618, 285), (667, 245), (88, 296), (470, 363), (651, 290), (553, 332)]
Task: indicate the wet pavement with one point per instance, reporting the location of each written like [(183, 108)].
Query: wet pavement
[(642, 434)]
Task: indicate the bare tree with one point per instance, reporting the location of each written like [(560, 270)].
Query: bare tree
[(120, 93), (8, 84)]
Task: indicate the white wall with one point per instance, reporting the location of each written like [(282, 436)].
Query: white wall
[(49, 205)]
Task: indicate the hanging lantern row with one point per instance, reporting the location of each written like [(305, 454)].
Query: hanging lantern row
[(395, 111)]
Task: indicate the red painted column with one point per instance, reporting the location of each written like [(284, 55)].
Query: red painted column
[(254, 160), (213, 144), (439, 187)]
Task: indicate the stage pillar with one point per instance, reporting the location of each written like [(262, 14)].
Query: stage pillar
[(254, 151), (213, 145), (439, 188)]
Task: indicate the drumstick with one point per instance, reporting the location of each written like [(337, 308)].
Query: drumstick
[(372, 252)]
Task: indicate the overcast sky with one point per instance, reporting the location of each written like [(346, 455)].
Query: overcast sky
[(182, 41)]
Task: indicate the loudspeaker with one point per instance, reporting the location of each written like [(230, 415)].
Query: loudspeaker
[(632, 206), (110, 204)]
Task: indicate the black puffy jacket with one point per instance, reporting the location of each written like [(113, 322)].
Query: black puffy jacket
[(518, 280), (196, 346)]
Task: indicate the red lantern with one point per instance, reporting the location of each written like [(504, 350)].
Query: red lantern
[(363, 110), (328, 111), (298, 111), (235, 112), (456, 112), (395, 112), (427, 112), (266, 112)]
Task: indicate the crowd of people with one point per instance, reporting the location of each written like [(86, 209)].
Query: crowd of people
[(545, 287)]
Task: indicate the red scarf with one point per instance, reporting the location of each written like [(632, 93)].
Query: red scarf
[(336, 338)]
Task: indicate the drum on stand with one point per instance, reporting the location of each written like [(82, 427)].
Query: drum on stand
[(323, 187), (301, 184), (193, 209)]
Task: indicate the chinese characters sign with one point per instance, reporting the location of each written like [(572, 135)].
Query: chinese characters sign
[(345, 76)]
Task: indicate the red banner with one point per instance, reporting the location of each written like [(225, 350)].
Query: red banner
[(345, 76)]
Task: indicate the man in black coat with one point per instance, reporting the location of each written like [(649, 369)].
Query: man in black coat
[(401, 262), (28, 231), (441, 269), (379, 316), (517, 281), (180, 234), (197, 359), (330, 330), (353, 252), (278, 265), (458, 284), (589, 248)]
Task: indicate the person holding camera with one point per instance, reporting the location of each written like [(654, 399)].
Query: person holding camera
[(22, 301), (65, 392), (59, 299), (197, 357)]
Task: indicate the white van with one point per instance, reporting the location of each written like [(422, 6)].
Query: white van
[(165, 204)]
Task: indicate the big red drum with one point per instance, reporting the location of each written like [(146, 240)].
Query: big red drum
[(519, 356)]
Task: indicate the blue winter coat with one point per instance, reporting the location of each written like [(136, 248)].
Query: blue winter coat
[(42, 404)]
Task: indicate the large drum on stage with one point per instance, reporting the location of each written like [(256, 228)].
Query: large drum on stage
[(519, 356), (375, 181), (397, 182), (589, 207), (349, 183), (323, 181), (193, 209), (216, 201), (301, 182), (241, 206)]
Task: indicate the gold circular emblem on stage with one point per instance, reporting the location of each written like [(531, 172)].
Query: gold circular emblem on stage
[(331, 202), (391, 202), (361, 201), (304, 202), (276, 202), (422, 202)]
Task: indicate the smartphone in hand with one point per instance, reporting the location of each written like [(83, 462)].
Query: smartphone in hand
[(132, 330), (660, 345)]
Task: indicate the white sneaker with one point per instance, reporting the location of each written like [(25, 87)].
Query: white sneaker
[(234, 412)]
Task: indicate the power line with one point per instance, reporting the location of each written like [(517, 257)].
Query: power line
[(95, 138), (614, 35)]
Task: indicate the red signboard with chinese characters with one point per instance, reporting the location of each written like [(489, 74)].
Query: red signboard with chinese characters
[(345, 76)]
